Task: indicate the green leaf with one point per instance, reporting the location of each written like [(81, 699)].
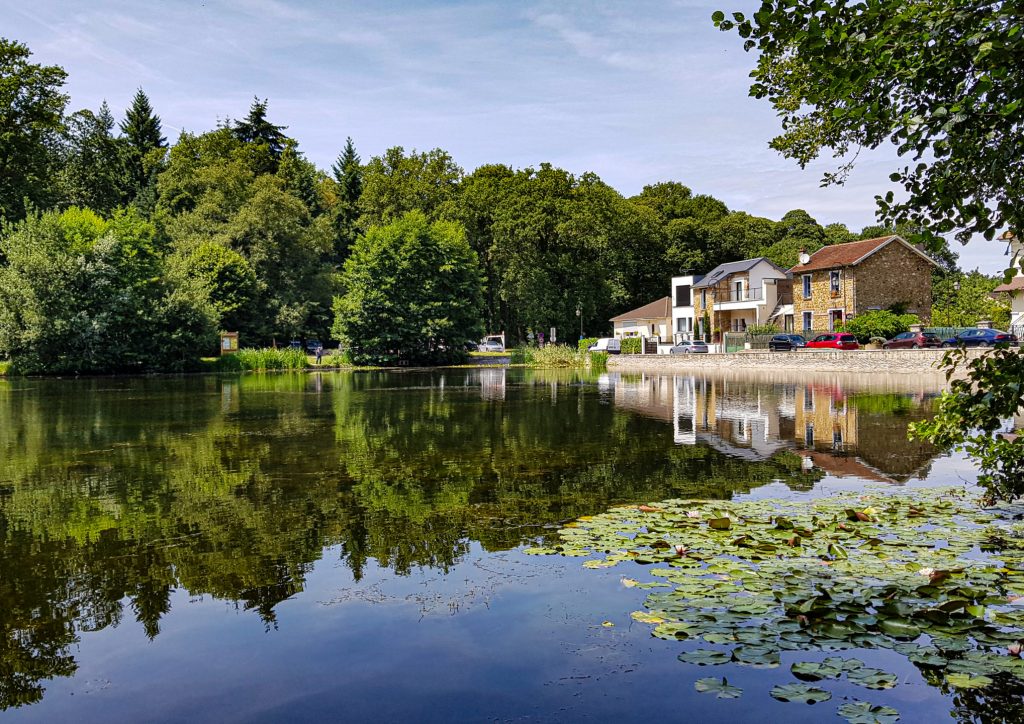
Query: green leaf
[(704, 657), (800, 693), (862, 712), (721, 688), (967, 681)]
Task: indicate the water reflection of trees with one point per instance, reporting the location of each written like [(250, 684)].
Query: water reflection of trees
[(114, 493)]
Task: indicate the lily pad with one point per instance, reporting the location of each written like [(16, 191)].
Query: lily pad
[(704, 657), (761, 657), (872, 678), (800, 693), (862, 712), (721, 688), (967, 681)]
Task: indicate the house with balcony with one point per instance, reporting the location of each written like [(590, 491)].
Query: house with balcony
[(1015, 288), (740, 294), (841, 281)]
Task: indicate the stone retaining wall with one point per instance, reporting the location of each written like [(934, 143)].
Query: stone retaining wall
[(907, 361)]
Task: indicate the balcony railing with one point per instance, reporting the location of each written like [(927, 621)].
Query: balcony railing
[(747, 295)]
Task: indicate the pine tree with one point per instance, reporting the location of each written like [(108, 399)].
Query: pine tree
[(257, 129), (141, 132), (348, 173), (92, 173)]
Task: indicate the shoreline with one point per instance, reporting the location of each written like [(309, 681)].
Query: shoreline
[(886, 361)]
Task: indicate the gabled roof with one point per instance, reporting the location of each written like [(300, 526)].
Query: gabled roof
[(661, 309), (1015, 285), (721, 271), (852, 253)]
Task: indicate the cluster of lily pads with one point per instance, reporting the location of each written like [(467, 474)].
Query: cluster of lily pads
[(927, 574)]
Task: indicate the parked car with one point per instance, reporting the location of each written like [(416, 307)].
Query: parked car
[(311, 345), (913, 340), (786, 342), (834, 340), (490, 345), (691, 346), (978, 337), (611, 345)]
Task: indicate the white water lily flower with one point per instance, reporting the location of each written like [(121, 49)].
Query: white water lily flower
[(693, 514), (926, 571)]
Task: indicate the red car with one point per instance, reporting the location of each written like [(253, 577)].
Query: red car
[(833, 340), (913, 340)]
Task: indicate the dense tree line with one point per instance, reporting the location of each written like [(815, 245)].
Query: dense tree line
[(234, 228)]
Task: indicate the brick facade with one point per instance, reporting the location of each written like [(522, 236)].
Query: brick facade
[(892, 275)]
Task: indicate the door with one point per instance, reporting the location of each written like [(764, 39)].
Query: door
[(835, 318)]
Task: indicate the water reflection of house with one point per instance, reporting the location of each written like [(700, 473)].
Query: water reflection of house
[(492, 384), (753, 421)]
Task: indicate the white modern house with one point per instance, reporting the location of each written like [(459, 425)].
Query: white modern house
[(1015, 288), (683, 322)]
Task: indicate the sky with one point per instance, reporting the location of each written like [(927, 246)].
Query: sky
[(637, 91)]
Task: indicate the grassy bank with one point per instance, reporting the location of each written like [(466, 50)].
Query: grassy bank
[(268, 359)]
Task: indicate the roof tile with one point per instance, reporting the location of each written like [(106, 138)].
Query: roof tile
[(660, 309)]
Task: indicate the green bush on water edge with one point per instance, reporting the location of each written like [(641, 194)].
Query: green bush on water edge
[(558, 356)]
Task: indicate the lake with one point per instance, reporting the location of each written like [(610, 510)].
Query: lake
[(349, 546)]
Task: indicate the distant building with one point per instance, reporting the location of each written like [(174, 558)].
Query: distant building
[(1015, 288), (650, 320), (841, 281)]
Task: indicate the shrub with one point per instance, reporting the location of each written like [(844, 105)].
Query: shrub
[(520, 356), (630, 345), (757, 329), (585, 343), (879, 323), (556, 355), (597, 360), (263, 359)]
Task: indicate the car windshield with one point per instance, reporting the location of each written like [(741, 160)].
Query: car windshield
[(929, 335)]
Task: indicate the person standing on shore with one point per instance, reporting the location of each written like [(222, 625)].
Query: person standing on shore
[(319, 354)]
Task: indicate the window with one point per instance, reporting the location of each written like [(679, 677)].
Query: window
[(807, 286), (704, 298), (683, 295), (809, 435), (739, 291), (808, 321), (834, 280), (835, 318)]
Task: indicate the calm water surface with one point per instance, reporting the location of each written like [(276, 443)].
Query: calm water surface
[(347, 546)]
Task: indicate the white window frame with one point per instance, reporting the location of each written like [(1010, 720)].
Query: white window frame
[(807, 321), (835, 281), (807, 286)]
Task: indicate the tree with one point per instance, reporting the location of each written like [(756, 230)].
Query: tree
[(412, 293), (143, 145), (964, 299), (348, 176), (936, 80), (91, 174), (396, 183), (85, 294), (940, 82), (256, 130), (31, 121)]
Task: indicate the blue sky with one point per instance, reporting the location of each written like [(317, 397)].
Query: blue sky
[(637, 92)]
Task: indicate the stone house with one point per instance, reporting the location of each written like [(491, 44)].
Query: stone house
[(740, 294), (839, 282)]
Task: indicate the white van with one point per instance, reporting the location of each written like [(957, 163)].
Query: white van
[(611, 345)]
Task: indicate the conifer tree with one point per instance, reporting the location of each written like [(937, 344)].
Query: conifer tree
[(142, 135), (348, 173), (255, 128)]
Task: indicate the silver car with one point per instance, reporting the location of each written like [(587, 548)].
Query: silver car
[(693, 346)]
